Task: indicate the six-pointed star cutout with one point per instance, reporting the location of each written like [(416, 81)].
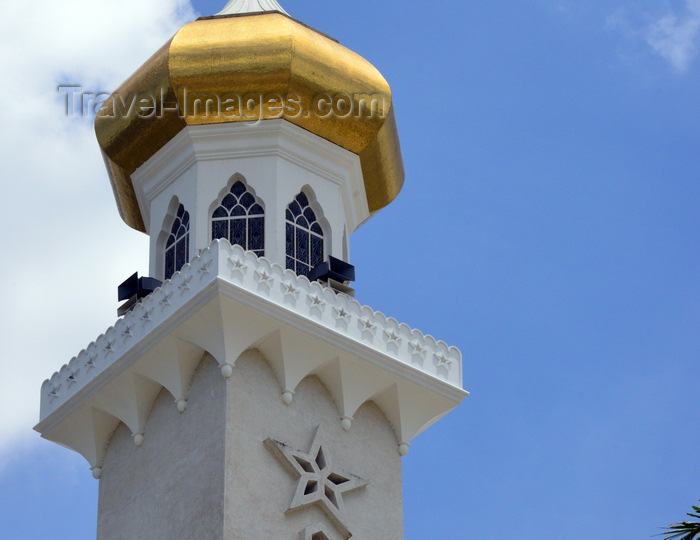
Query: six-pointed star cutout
[(320, 482)]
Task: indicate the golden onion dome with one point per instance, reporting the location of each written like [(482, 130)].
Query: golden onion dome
[(240, 67)]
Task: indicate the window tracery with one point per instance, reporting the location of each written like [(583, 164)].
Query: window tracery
[(240, 218), (304, 236), (177, 247)]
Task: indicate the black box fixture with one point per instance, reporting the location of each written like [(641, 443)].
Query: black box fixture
[(336, 273), (133, 289)]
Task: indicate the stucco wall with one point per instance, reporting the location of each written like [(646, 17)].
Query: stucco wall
[(206, 474), (172, 486), (259, 489)]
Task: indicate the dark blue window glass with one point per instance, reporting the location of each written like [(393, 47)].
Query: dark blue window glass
[(247, 200), (290, 246), (177, 247), (237, 234), (240, 219), (294, 208), (316, 250), (169, 263), (302, 200), (238, 189), (229, 202), (302, 251), (256, 233), (304, 236), (219, 229)]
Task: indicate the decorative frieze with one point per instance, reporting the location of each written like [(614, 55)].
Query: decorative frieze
[(226, 301)]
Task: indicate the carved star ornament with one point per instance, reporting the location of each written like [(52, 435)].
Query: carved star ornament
[(320, 481)]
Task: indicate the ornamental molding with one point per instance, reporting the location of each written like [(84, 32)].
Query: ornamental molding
[(274, 138), (319, 481), (224, 302)]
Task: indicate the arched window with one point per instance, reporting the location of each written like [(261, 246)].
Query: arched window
[(240, 219), (177, 247), (304, 236)]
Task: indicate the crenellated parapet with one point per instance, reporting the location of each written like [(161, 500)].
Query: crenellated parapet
[(223, 303)]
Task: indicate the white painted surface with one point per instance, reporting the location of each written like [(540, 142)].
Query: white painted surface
[(184, 407), (224, 303), (275, 158), (172, 486), (208, 473)]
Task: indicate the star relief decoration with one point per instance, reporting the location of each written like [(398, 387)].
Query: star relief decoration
[(392, 338), (367, 326), (341, 315), (146, 315), (53, 391), (165, 301), (90, 364), (442, 362), (73, 376), (316, 303), (417, 349), (289, 290), (320, 482), (204, 268), (264, 278), (237, 266), (109, 346), (185, 284), (127, 330)]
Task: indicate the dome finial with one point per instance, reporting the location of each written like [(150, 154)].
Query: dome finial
[(235, 7)]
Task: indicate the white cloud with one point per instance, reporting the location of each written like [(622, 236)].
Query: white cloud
[(64, 247), (674, 37)]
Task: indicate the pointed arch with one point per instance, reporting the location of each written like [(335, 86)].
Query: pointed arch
[(304, 234), (177, 243), (240, 217)]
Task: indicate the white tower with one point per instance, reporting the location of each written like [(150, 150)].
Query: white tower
[(240, 400)]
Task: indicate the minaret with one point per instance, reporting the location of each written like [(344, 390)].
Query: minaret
[(249, 396)]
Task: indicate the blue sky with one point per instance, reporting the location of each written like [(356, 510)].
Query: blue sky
[(548, 227)]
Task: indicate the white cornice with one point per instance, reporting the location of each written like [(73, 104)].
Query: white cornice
[(267, 138), (375, 357)]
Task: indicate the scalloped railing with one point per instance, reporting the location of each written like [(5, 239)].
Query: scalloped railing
[(269, 281)]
